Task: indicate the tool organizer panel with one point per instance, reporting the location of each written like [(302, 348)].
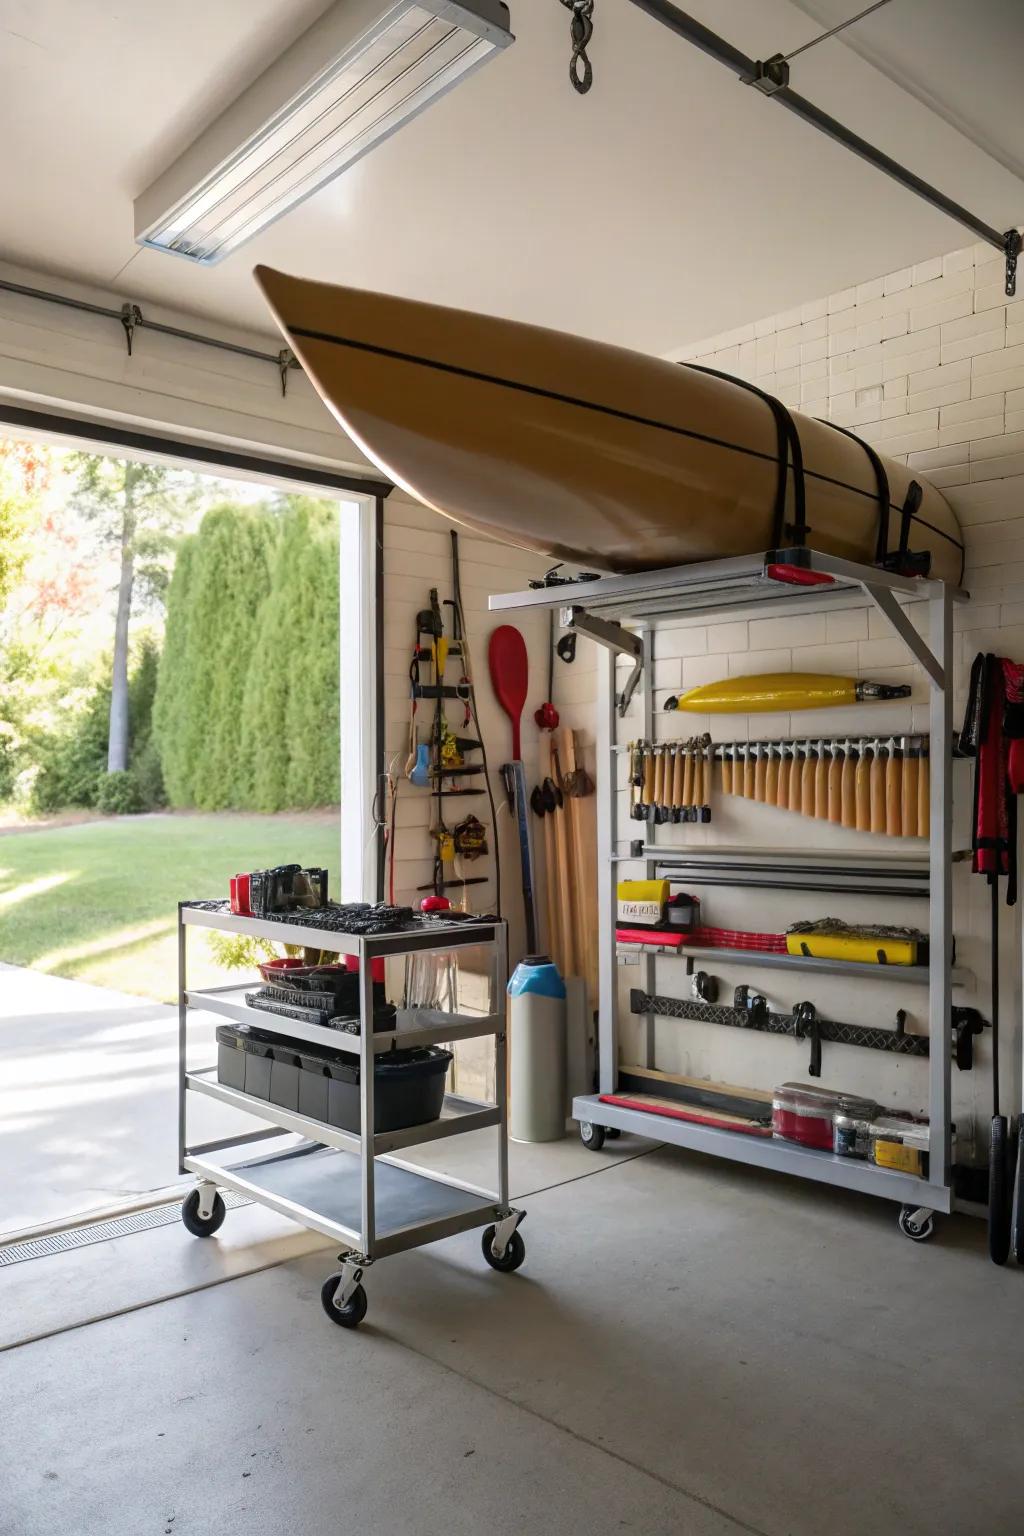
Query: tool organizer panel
[(899, 786)]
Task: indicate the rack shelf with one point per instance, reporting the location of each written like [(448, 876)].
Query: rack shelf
[(909, 973), (442, 1029), (767, 1152), (800, 581)]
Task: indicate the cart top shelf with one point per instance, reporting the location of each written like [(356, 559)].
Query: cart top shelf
[(805, 577), (421, 933)]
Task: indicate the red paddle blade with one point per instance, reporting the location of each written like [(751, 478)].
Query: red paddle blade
[(510, 676)]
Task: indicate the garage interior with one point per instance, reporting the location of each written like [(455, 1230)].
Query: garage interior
[(711, 593)]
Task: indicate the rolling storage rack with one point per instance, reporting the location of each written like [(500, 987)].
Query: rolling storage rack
[(349, 1185), (622, 614)]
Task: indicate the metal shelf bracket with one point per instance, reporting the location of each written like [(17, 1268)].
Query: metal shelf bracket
[(614, 638)]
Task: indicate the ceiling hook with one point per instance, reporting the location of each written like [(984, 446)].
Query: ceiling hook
[(131, 317), (286, 359)]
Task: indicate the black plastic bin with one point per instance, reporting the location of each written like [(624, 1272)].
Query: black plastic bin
[(324, 1083)]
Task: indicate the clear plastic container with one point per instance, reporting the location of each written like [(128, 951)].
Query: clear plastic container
[(803, 1113), (851, 1126)]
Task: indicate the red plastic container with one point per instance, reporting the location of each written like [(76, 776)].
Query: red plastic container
[(803, 1112), (242, 885)]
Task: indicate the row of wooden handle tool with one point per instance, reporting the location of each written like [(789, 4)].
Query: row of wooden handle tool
[(868, 784)]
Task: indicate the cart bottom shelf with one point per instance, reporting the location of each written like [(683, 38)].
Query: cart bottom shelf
[(786, 1156), (321, 1188)]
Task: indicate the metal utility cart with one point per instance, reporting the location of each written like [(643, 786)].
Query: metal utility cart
[(622, 614), (350, 1186)]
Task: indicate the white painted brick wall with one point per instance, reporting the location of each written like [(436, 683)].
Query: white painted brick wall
[(927, 363), (417, 556)]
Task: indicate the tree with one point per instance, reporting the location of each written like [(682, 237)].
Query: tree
[(136, 508)]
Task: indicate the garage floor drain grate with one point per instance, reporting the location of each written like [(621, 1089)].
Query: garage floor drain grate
[(102, 1231)]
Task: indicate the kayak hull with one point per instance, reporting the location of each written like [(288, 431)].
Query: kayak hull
[(579, 451)]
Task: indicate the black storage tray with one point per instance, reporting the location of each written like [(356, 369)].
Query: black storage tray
[(324, 1083)]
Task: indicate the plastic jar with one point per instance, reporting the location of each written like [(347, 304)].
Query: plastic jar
[(851, 1126)]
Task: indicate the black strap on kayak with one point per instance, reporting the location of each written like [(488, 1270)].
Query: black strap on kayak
[(787, 445), (913, 500), (882, 484)]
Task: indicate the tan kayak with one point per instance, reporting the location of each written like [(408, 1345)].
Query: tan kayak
[(583, 452)]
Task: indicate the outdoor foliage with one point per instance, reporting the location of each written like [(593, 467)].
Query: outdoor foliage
[(73, 762), (246, 711)]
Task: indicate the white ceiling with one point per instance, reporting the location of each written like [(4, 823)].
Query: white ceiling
[(670, 203)]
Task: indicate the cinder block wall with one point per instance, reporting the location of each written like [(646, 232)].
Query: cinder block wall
[(927, 364)]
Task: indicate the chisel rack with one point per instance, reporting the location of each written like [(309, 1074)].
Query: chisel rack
[(623, 614)]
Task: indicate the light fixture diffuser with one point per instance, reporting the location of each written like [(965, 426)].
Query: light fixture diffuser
[(346, 84)]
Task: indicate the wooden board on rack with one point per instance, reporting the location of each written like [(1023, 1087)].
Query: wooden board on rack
[(674, 1109), (731, 1098)]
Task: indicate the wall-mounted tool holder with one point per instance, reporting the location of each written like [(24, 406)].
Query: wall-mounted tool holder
[(750, 1010), (865, 783), (671, 781)]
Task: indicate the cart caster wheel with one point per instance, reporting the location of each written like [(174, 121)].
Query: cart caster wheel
[(612, 1132), (354, 1310), (511, 1259), (918, 1232), (592, 1136), (201, 1226)]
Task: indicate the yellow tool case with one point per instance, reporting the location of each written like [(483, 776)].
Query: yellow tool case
[(843, 946)]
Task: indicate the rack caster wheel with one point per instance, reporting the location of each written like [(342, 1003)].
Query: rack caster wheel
[(354, 1310), (917, 1231), (202, 1226), (592, 1136), (511, 1259)]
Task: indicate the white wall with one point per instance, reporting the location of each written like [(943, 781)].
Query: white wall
[(927, 364)]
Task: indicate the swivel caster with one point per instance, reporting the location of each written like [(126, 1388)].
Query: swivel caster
[(592, 1136), (198, 1224), (511, 1259), (915, 1223), (351, 1314)]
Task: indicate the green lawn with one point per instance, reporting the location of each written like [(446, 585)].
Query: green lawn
[(98, 901)]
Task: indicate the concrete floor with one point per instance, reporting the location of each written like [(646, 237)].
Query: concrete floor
[(88, 1096), (691, 1348)]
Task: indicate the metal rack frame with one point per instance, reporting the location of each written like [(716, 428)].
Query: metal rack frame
[(330, 1182), (622, 614)]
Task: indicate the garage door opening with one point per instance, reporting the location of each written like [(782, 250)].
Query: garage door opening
[(174, 647)]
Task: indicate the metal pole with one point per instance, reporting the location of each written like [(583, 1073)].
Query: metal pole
[(182, 1041), (500, 1008), (651, 836), (717, 48), (607, 843), (940, 849), (367, 1063)]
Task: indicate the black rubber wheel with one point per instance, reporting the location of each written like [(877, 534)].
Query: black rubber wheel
[(592, 1136), (918, 1232), (354, 1310), (1018, 1199), (612, 1132), (513, 1256), (196, 1224), (1000, 1191)]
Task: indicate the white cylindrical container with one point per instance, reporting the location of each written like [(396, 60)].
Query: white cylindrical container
[(537, 1051)]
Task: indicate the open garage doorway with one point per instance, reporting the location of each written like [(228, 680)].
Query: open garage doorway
[(177, 636)]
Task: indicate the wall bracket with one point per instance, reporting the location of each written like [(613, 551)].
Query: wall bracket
[(614, 638)]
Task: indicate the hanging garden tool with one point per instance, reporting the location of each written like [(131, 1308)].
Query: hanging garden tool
[(782, 691), (509, 667), (546, 715)]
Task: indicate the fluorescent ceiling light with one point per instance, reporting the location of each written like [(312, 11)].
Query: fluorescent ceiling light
[(359, 73)]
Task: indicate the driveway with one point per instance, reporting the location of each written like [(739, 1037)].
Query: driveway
[(88, 1096)]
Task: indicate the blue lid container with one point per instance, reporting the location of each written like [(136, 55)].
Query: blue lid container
[(537, 975)]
